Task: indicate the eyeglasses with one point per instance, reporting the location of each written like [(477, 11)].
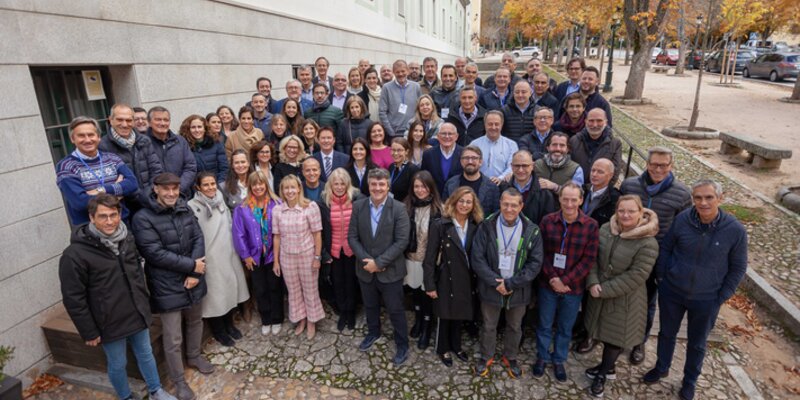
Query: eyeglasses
[(340, 80), (446, 134), (543, 118), (659, 166), (521, 166), (470, 158)]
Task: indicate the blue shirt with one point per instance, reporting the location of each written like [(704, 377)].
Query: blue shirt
[(496, 155), (375, 214)]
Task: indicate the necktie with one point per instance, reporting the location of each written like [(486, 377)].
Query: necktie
[(328, 166)]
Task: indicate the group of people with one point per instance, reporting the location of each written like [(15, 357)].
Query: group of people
[(486, 201)]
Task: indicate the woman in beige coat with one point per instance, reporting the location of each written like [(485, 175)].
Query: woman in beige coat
[(616, 312)]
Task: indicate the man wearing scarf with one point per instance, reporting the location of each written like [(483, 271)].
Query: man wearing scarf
[(662, 193), (100, 268), (322, 112)]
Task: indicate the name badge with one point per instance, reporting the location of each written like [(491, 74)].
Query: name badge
[(506, 263), (402, 109), (560, 261), (445, 112)]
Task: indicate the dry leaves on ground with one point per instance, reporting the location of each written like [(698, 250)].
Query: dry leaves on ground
[(747, 307), (42, 383)]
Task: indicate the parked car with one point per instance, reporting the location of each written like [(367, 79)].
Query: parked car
[(714, 61), (776, 66), (667, 57), (698, 59), (653, 55), (528, 51)]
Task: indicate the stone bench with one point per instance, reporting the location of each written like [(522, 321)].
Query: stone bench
[(761, 154), (661, 69)]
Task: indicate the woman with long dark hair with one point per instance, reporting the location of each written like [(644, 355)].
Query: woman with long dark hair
[(355, 123), (379, 145), (208, 149), (264, 158), (234, 188), (401, 171), (228, 119), (360, 164)]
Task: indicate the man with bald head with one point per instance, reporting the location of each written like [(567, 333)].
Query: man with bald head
[(518, 114), (414, 71), (386, 74), (398, 101), (534, 67), (339, 94), (460, 64), (443, 160), (541, 96), (595, 141), (363, 65), (536, 201)]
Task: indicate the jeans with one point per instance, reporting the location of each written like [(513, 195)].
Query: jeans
[(561, 309), (392, 295), (702, 314), (116, 356)]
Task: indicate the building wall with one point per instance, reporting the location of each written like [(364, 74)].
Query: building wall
[(189, 56)]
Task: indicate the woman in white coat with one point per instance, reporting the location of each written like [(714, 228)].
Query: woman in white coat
[(224, 274)]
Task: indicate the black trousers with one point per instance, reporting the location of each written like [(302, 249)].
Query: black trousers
[(345, 283), (268, 292), (392, 295), (448, 336)]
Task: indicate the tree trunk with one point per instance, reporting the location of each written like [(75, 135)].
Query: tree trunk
[(583, 43), (696, 105), (796, 91), (682, 39), (640, 63), (601, 47), (560, 50), (628, 43)]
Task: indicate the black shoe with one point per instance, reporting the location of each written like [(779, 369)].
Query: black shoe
[(368, 342), (425, 334), (585, 346), (400, 357), (341, 323), (416, 329), (598, 386), (559, 372), (637, 355), (591, 373), (234, 333), (686, 392), (224, 340), (512, 367), (653, 376), (538, 369), (482, 367), (462, 355), (446, 360)]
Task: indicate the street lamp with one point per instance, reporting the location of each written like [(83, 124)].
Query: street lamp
[(699, 22), (610, 72)]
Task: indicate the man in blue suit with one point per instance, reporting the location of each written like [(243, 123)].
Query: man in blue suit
[(329, 158), (443, 160)]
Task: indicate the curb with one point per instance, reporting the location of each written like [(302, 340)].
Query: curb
[(682, 132), (789, 198), (738, 373)]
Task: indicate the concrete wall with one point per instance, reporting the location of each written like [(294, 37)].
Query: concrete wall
[(187, 55)]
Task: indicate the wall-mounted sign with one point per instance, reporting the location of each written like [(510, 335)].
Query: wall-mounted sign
[(93, 83)]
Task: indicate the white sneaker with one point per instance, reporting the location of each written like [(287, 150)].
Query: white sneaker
[(276, 329), (162, 394), (265, 330)]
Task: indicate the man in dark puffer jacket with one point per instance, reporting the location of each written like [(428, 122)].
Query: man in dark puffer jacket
[(171, 242), (662, 193), (135, 149), (103, 290)]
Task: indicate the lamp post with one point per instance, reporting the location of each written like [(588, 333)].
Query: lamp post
[(699, 21), (610, 72)]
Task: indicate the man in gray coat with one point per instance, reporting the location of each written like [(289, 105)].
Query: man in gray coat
[(506, 257), (398, 101), (378, 235), (662, 193)]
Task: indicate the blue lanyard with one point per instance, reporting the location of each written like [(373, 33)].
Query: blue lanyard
[(402, 93), (99, 177), (400, 172), (564, 235), (506, 243)]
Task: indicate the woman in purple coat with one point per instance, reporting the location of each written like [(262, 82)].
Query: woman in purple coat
[(252, 238)]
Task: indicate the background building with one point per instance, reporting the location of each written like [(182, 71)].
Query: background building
[(187, 55)]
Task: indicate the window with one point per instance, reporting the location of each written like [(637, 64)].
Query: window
[(401, 8), (433, 17), (421, 13), (444, 27)]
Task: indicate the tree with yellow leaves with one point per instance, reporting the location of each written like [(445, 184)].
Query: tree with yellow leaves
[(736, 16), (644, 21)]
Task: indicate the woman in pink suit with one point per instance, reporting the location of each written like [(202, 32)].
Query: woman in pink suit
[(297, 233)]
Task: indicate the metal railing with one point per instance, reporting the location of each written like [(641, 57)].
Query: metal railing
[(631, 150)]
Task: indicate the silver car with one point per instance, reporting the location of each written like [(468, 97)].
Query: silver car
[(776, 66)]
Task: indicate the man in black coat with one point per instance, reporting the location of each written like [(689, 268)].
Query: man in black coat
[(467, 117), (378, 235), (536, 202), (103, 290), (171, 242), (542, 96)]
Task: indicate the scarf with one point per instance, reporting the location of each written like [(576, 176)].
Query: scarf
[(126, 143), (263, 215), (210, 204), (111, 241), (656, 188), (572, 128), (322, 106), (555, 165)]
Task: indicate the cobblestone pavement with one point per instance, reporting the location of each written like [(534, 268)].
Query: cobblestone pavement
[(331, 367)]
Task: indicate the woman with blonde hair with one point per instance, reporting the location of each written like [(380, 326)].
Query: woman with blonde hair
[(426, 115), (336, 207), (448, 277), (308, 131), (617, 309), (354, 81), (253, 241), (291, 154), (297, 231), (246, 135)]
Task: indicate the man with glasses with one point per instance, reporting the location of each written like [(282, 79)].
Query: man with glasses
[(443, 160), (488, 193), (339, 95), (536, 203), (536, 140), (541, 94), (667, 197), (518, 115), (467, 117), (140, 120), (323, 113), (575, 69), (497, 150)]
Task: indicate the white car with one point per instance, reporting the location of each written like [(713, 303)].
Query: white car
[(529, 51), (653, 55)]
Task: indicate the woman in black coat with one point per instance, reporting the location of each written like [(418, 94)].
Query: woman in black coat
[(447, 274), (401, 171), (359, 165), (208, 148), (354, 125)]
